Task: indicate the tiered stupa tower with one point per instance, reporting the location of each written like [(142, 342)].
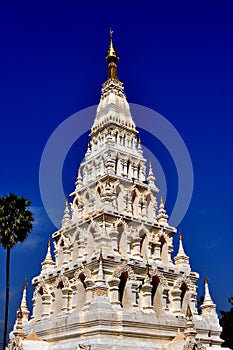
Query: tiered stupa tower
[(113, 284)]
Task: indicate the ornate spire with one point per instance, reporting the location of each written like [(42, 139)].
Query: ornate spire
[(79, 180), (23, 305), (181, 257), (18, 330), (100, 286), (113, 104), (48, 261), (162, 215), (151, 177), (208, 306), (190, 330), (66, 216), (112, 59)]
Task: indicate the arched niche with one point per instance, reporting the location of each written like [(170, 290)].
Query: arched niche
[(157, 295), (37, 310), (125, 293), (60, 253), (79, 293), (163, 250), (119, 198), (143, 245), (57, 297), (122, 239), (86, 204), (135, 202), (184, 299), (98, 198), (92, 232), (150, 207)]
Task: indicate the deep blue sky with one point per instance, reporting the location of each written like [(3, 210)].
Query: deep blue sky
[(175, 57)]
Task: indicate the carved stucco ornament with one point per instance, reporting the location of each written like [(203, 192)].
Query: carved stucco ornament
[(124, 268), (162, 279), (15, 344), (193, 345)]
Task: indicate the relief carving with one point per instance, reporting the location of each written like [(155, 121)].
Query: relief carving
[(124, 268)]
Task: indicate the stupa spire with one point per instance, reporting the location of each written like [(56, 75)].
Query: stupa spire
[(48, 261), (190, 330), (181, 257), (208, 307), (162, 215), (151, 177), (23, 304), (66, 216), (79, 180)]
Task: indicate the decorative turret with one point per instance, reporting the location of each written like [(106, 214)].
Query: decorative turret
[(190, 330), (162, 215), (66, 216), (100, 286), (208, 306), (79, 180), (23, 305), (181, 258), (151, 177), (18, 330), (48, 261)]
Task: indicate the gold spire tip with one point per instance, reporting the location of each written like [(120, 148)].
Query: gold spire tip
[(189, 312), (111, 55), (161, 200), (25, 286), (206, 280), (180, 236), (49, 243), (101, 255)]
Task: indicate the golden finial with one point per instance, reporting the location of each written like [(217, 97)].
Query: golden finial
[(206, 281), (189, 314), (49, 243), (19, 313), (89, 145), (111, 55), (101, 255), (25, 286), (161, 200), (180, 236), (139, 141)]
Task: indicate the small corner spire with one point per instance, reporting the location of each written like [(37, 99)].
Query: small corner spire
[(181, 258), (151, 177), (48, 261), (208, 307), (207, 297), (189, 314), (162, 214), (66, 216)]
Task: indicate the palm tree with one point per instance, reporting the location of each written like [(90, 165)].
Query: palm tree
[(15, 224)]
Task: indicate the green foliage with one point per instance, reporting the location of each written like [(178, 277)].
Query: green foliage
[(227, 326), (15, 220), (15, 224)]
